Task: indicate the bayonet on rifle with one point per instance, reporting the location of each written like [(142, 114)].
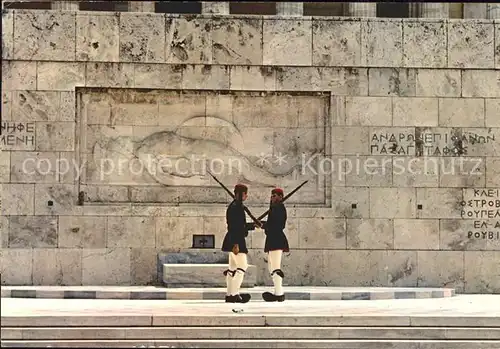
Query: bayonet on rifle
[(256, 221)]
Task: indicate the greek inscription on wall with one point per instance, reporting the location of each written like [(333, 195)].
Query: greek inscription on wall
[(484, 208), (17, 135), (425, 142), (392, 143)]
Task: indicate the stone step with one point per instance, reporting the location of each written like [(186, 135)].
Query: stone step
[(202, 275), (292, 292), (193, 256), (132, 319), (219, 333), (259, 343)]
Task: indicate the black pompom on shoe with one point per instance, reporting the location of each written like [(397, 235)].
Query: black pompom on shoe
[(239, 298), (245, 297), (269, 297)]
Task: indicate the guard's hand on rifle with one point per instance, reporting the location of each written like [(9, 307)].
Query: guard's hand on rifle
[(250, 226), (253, 225), (263, 224)]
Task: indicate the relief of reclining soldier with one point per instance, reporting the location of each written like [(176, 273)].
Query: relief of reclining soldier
[(181, 157)]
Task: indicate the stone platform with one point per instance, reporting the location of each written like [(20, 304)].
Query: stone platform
[(197, 268), (152, 292), (202, 275), (461, 322)]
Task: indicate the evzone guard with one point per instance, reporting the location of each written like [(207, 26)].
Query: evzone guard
[(235, 243), (276, 243)]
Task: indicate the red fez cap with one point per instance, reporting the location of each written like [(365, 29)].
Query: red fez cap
[(278, 191), (240, 188)]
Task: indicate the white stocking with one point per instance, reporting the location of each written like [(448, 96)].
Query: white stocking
[(229, 275), (274, 267), (241, 267)]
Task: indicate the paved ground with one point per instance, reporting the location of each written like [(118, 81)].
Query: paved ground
[(460, 322), (461, 305)]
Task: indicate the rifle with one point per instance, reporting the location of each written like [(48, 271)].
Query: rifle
[(284, 199), (256, 221)]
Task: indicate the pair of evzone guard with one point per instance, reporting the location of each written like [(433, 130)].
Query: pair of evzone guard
[(234, 243)]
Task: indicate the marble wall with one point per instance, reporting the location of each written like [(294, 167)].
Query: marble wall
[(395, 123)]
